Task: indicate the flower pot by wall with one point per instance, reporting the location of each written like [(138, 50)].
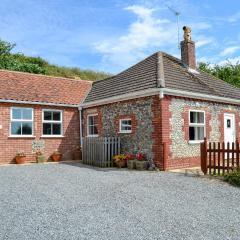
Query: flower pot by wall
[(56, 157), (20, 159), (121, 164)]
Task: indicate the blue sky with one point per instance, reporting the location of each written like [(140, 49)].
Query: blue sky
[(111, 35)]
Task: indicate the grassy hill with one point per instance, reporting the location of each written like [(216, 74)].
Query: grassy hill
[(38, 65)]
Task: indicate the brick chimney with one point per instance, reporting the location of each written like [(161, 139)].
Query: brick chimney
[(188, 49)]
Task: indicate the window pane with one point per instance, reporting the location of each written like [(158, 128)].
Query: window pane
[(95, 119), (16, 113), (47, 128), (57, 116), (26, 128), (196, 133), (126, 125), (56, 129), (200, 117), (26, 114), (95, 130), (16, 128), (196, 117), (47, 115), (90, 120), (200, 133), (90, 130), (92, 125), (191, 133)]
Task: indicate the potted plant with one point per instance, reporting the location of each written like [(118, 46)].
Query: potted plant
[(141, 163), (131, 161), (56, 156), (20, 157), (40, 157), (77, 154), (120, 160)]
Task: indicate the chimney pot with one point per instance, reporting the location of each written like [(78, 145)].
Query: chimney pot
[(188, 49)]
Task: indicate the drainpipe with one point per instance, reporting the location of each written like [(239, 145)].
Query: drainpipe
[(80, 118)]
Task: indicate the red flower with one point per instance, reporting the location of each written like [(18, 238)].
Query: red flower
[(141, 157), (130, 156)]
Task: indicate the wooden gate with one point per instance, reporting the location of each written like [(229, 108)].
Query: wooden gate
[(99, 151), (219, 158)]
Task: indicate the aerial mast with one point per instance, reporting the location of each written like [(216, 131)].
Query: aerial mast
[(177, 14)]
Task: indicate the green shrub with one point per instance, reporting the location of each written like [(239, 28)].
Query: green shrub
[(233, 178), (23, 63)]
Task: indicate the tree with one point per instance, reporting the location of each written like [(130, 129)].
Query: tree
[(229, 72), (17, 62)]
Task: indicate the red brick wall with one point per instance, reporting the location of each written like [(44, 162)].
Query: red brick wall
[(9, 146), (161, 124)]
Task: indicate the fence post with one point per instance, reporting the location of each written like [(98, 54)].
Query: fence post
[(237, 152), (204, 156)]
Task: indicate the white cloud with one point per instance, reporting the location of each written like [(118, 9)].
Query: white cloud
[(229, 50), (146, 32), (204, 41), (234, 61)]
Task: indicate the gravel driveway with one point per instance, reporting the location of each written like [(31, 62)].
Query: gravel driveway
[(64, 201)]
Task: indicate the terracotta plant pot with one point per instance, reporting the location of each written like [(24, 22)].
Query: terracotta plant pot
[(121, 164), (77, 155), (20, 159), (56, 157)]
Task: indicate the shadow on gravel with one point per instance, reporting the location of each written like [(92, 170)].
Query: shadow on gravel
[(80, 165)]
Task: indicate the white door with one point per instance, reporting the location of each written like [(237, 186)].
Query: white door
[(229, 128)]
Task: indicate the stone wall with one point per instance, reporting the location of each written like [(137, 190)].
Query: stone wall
[(140, 111), (179, 108)]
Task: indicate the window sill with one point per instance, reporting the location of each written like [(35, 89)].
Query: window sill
[(21, 136), (125, 132), (92, 135), (52, 136), (195, 141)]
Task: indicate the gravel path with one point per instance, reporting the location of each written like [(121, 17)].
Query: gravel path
[(63, 201)]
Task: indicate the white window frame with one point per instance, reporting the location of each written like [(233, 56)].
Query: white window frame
[(52, 121), (88, 134), (197, 124), (120, 125), (21, 120)]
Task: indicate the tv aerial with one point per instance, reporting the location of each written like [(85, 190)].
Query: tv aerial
[(177, 14)]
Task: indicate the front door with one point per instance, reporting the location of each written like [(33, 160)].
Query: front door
[(229, 128)]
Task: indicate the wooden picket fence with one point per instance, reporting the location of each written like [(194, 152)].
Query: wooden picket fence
[(219, 158), (99, 151)]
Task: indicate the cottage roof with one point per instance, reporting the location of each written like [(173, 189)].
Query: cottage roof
[(27, 87), (157, 71)]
